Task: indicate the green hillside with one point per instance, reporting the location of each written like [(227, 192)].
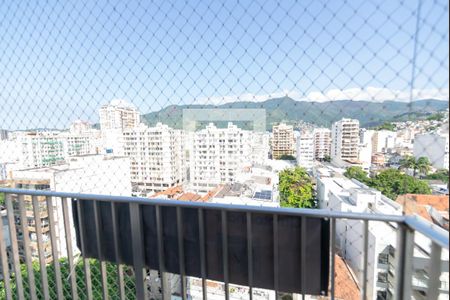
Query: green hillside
[(320, 113)]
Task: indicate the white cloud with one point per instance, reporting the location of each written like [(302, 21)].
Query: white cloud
[(374, 94), (378, 94)]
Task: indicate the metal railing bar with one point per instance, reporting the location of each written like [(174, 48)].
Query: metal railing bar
[(332, 258), (86, 265), (303, 273), (201, 229), (404, 253), (138, 250), (180, 230), (52, 222), (14, 246), (365, 258), (160, 238), (4, 261), (435, 233), (102, 262), (26, 247), (250, 255), (317, 213), (435, 272), (225, 254), (41, 254), (275, 254), (67, 230), (120, 280)]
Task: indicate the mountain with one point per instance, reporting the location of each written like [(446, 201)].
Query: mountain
[(320, 113)]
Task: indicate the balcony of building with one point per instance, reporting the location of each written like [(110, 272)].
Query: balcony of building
[(114, 247)]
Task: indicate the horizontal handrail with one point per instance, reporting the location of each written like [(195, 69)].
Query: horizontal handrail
[(318, 213), (430, 230), (433, 232)]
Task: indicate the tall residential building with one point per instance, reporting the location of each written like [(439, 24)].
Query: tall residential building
[(345, 141), (157, 157), (41, 149), (305, 150), (435, 147), (218, 155), (91, 174), (283, 141), (322, 143), (115, 118), (365, 147), (383, 140), (80, 127), (118, 114)]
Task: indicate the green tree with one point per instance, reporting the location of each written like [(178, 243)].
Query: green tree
[(296, 188), (422, 164), (392, 182), (386, 126), (327, 158), (111, 270), (357, 173), (441, 174), (286, 157), (2, 199)]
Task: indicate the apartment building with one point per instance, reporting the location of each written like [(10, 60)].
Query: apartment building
[(345, 141), (283, 141), (338, 193), (383, 141), (322, 143), (40, 149), (305, 150), (115, 118), (118, 114), (91, 174), (218, 155), (157, 156), (434, 146)]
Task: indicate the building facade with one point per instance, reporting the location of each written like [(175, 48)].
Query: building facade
[(283, 141), (322, 143), (305, 150), (345, 141), (435, 147), (218, 155), (157, 157)]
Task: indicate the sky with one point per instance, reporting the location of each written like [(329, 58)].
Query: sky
[(60, 61)]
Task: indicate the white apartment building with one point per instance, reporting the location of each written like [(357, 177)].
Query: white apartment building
[(157, 157), (365, 147), (218, 155), (40, 149), (260, 147), (337, 193), (383, 141), (435, 147), (345, 141), (322, 143), (305, 150), (119, 114), (283, 141), (115, 118), (91, 174)]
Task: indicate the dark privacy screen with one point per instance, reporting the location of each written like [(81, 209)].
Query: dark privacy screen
[(313, 246)]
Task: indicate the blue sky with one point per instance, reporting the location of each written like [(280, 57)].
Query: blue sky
[(61, 61)]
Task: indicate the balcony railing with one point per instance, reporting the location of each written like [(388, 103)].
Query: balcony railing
[(17, 286)]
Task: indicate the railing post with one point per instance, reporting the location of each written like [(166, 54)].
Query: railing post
[(403, 257), (434, 282), (4, 260), (14, 247), (138, 253)]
